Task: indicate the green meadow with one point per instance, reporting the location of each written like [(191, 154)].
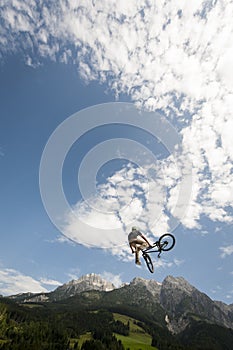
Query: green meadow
[(137, 339)]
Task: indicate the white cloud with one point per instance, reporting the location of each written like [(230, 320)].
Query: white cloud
[(226, 251), (178, 262), (216, 290), (165, 55), (63, 239), (108, 222), (74, 273), (115, 279), (162, 263), (14, 282), (151, 50), (50, 282), (229, 296)]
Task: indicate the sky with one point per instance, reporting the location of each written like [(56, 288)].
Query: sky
[(115, 114)]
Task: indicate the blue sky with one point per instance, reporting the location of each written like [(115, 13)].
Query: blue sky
[(149, 90)]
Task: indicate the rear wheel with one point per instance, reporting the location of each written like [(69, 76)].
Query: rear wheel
[(167, 242), (149, 263)]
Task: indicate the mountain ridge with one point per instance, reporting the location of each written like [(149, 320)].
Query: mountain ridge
[(174, 303)]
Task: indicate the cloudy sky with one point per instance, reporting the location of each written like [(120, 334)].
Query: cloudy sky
[(115, 114)]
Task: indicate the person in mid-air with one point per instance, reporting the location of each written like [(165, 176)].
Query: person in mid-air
[(137, 242)]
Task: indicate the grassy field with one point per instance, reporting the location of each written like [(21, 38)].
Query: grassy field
[(132, 323), (80, 340), (135, 343), (137, 339)]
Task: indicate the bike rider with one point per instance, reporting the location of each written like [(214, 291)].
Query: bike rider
[(138, 242)]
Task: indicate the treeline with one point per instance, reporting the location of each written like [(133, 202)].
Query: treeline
[(20, 333), (23, 328), (207, 336), (52, 326), (102, 340)]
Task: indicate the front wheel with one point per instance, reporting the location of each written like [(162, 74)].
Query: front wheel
[(167, 242), (149, 263)]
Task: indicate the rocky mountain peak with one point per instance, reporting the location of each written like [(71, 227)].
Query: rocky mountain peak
[(173, 292), (178, 283), (84, 283), (96, 282), (181, 300), (175, 301), (152, 286)]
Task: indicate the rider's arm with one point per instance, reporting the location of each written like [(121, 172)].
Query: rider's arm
[(145, 239), (131, 247)]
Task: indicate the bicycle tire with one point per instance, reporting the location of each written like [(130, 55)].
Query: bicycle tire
[(170, 239), (149, 263)]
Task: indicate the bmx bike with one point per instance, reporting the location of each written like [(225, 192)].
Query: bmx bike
[(165, 243)]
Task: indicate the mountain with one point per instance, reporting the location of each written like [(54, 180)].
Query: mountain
[(67, 290), (173, 304), (84, 283), (184, 302), (175, 313)]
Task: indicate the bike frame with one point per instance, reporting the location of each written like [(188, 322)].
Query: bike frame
[(163, 244), (155, 245)]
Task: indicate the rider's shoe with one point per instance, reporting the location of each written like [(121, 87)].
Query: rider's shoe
[(138, 262)]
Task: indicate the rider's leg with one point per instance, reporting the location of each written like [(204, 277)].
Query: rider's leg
[(139, 247), (138, 244), (137, 250)]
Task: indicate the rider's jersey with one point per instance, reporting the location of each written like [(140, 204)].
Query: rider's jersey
[(134, 235)]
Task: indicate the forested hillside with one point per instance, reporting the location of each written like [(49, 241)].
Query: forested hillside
[(64, 325), (51, 326)]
